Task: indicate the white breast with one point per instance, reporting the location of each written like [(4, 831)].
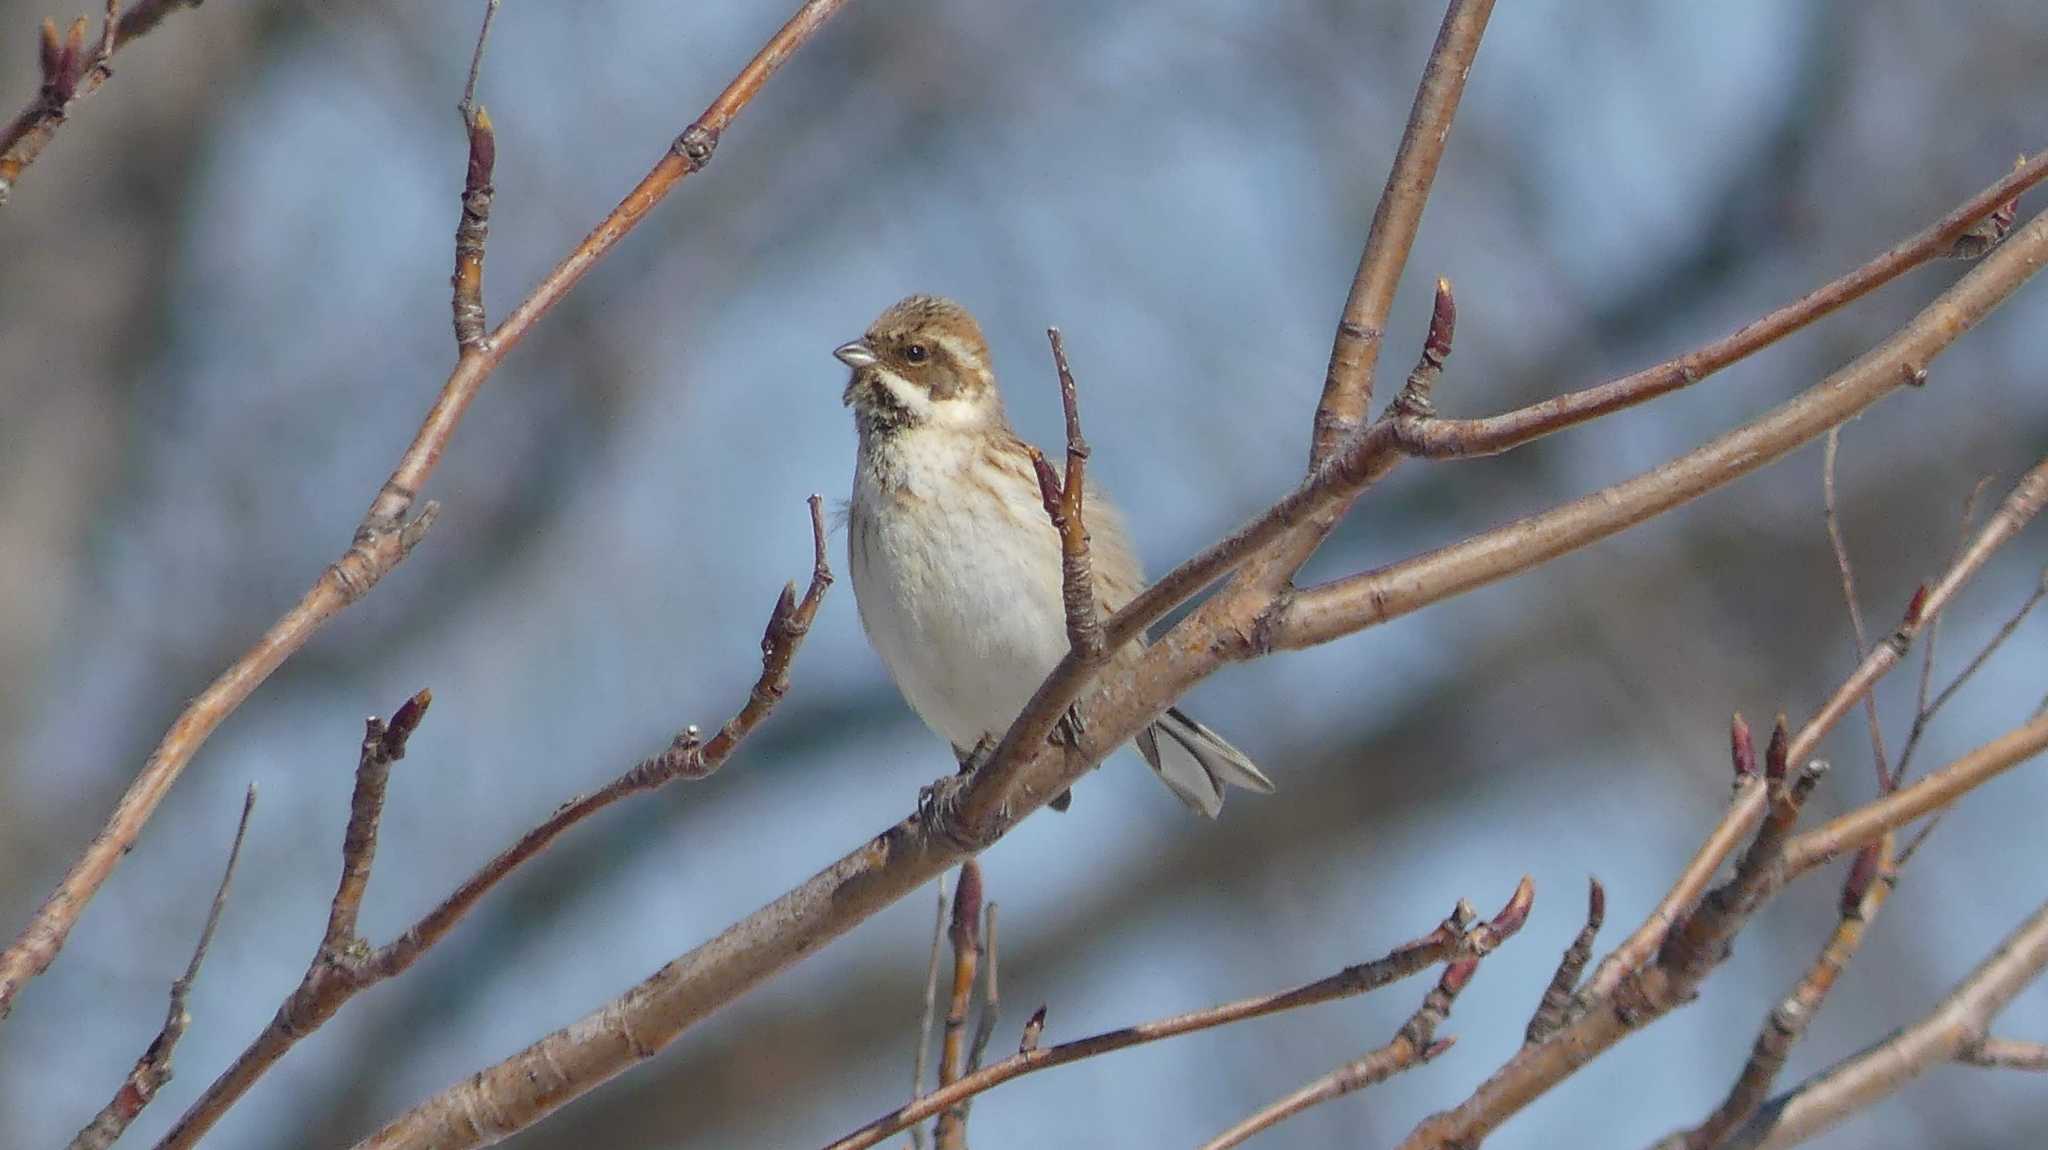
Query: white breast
[(956, 571)]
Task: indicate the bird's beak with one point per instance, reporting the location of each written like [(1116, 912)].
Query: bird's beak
[(856, 354)]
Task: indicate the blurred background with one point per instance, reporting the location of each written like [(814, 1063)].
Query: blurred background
[(223, 295)]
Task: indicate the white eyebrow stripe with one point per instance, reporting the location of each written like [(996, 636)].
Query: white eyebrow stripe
[(962, 354)]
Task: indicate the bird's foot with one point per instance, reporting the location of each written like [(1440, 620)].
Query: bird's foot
[(1068, 730), (938, 802)]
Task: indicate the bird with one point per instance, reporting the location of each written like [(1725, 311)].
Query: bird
[(955, 564)]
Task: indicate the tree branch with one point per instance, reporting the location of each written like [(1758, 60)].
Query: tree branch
[(346, 965), (153, 1069), (1414, 1044), (1344, 606), (385, 536), (1455, 938), (1557, 997), (70, 74), (965, 935), (1954, 1028), (473, 229)]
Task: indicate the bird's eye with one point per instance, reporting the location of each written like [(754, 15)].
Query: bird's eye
[(917, 353)]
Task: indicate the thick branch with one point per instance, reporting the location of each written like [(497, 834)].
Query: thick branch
[(1347, 385), (1454, 938), (153, 1069), (385, 536)]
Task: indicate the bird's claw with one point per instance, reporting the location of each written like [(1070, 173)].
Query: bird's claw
[(1068, 730)]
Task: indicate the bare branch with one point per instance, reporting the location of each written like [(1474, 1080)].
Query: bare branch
[(1414, 1044), (1465, 438), (153, 1069), (385, 536), (965, 935), (1455, 938), (1354, 351), (1347, 386), (70, 74), (2005, 1054), (1689, 953), (1867, 824), (931, 1006), (346, 965), (1956, 1026), (1922, 709), (1879, 760), (1862, 900), (1342, 607), (1557, 997)]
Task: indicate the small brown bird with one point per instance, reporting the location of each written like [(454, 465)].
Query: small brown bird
[(955, 565)]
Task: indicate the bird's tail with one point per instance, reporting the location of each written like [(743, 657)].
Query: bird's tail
[(1196, 763)]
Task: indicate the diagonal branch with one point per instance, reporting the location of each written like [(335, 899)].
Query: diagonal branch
[(1455, 938), (385, 536), (1347, 385), (153, 1069), (345, 964), (1413, 1044), (1950, 1032)]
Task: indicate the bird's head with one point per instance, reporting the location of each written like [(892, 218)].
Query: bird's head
[(922, 363)]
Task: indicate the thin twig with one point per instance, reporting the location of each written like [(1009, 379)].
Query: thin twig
[(1879, 760), (1946, 1034), (1922, 711), (476, 60), (1065, 504), (1867, 824), (965, 934), (2005, 1054), (1347, 385), (346, 965), (931, 1006), (1455, 938), (472, 231), (991, 993), (1557, 997), (385, 535), (1862, 899), (1414, 1044), (1355, 348), (153, 1069), (1689, 953), (70, 74), (1466, 438)]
